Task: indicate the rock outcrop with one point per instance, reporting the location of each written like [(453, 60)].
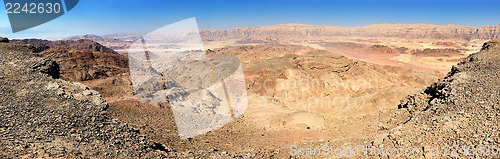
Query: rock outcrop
[(80, 60), (251, 53), (82, 44), (50, 118), (300, 33), (437, 52), (461, 109), (42, 116)]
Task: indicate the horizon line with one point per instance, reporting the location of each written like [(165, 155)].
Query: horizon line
[(289, 24)]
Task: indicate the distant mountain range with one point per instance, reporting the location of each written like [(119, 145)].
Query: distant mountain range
[(310, 33), (301, 32)]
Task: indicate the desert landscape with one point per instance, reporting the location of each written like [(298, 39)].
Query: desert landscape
[(382, 85)]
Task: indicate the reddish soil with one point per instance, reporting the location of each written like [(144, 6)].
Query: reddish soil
[(380, 58)]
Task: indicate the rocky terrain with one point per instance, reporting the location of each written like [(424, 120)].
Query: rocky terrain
[(459, 109), (437, 52), (82, 44), (251, 53), (117, 89), (282, 80), (298, 94), (47, 117)]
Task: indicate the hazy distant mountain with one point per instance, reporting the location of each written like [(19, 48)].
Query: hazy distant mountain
[(304, 33)]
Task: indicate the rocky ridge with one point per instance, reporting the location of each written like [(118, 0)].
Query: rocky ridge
[(119, 42), (80, 60), (302, 33), (81, 44), (460, 109)]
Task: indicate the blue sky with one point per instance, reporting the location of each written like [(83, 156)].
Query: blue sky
[(112, 16)]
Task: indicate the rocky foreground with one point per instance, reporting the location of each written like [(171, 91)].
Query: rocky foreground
[(303, 32), (43, 116), (461, 109), (46, 117)]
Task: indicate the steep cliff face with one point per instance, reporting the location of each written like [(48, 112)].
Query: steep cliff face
[(461, 109), (301, 33)]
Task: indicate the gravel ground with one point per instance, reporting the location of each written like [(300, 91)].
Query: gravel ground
[(461, 109), (42, 116)]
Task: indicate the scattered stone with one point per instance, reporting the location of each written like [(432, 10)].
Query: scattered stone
[(454, 110)]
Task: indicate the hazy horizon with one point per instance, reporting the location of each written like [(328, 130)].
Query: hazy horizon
[(107, 17)]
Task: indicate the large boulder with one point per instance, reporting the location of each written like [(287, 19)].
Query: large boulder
[(4, 40)]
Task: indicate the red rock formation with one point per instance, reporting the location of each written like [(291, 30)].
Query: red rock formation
[(80, 60)]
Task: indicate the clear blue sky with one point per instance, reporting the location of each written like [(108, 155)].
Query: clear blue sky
[(112, 16)]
